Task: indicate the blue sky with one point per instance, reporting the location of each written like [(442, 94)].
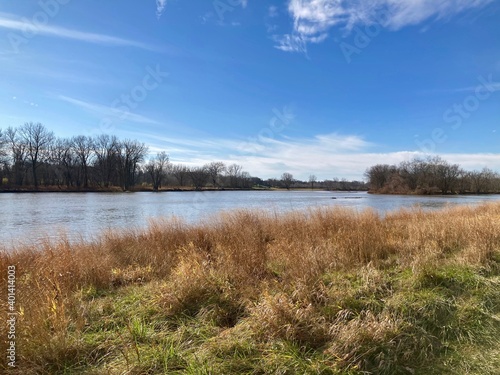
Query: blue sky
[(328, 87)]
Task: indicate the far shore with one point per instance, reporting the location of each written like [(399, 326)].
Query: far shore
[(435, 194), (150, 190), (114, 189)]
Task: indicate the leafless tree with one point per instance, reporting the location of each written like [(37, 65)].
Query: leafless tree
[(157, 169), (3, 146), (464, 181), (37, 140), (18, 155), (379, 175), (246, 180), (411, 172), (84, 147), (181, 174), (3, 155), (287, 180), (215, 170), (312, 180), (131, 153), (446, 175), (344, 184), (482, 181), (427, 176), (64, 161), (199, 177), (106, 152), (233, 173)]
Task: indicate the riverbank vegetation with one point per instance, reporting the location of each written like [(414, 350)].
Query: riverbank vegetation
[(330, 291), (432, 175), (32, 158)]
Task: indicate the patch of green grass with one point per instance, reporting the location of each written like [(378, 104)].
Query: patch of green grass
[(288, 358), (453, 278)]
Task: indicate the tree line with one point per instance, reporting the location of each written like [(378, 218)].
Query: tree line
[(31, 156), (431, 175)]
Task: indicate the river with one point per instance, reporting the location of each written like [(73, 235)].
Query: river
[(33, 217)]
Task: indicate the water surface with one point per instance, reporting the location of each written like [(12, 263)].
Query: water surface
[(31, 217)]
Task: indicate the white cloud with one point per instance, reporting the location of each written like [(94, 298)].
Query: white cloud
[(109, 112), (160, 7), (290, 43), (327, 156), (314, 18), (9, 22)]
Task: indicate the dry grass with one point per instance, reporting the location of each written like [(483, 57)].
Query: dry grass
[(326, 291)]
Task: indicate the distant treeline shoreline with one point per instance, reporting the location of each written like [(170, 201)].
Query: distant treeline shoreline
[(33, 159), (431, 176)]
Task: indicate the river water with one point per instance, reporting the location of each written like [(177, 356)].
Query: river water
[(29, 218)]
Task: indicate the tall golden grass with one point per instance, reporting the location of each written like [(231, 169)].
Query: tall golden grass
[(356, 291)]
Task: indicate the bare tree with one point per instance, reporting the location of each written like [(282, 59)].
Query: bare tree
[(379, 175), (246, 180), (411, 172), (312, 180), (464, 181), (3, 148), (106, 152), (84, 147), (199, 177), (157, 169), (215, 169), (18, 152), (233, 173), (181, 174), (3, 155), (287, 180), (37, 140), (482, 181), (131, 153), (64, 160), (428, 176), (446, 175)]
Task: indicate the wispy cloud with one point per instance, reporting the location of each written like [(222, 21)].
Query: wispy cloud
[(290, 43), (108, 112), (314, 18), (492, 86), (272, 11), (8, 21), (160, 7)]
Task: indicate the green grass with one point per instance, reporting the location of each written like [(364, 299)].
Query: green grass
[(440, 320)]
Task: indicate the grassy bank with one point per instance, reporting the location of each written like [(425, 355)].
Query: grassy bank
[(323, 292)]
